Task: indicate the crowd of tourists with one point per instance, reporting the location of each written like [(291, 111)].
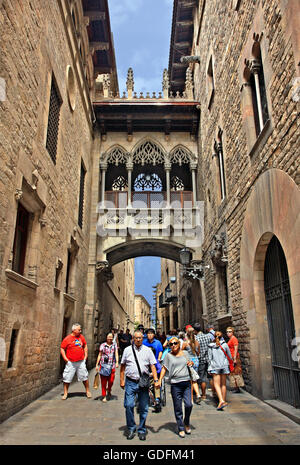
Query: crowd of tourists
[(193, 360)]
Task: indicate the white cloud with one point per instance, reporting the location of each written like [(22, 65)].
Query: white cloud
[(120, 12)]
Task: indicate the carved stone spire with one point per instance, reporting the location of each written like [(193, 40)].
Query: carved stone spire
[(106, 85), (130, 82), (189, 84), (166, 84)]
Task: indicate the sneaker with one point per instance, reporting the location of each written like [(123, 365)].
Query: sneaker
[(198, 400), (104, 399), (181, 434)]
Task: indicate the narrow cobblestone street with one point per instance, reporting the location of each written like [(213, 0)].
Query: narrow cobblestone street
[(82, 421)]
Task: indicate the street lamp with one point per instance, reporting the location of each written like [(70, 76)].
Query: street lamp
[(185, 256), (192, 269)]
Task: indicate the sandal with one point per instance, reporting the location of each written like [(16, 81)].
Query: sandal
[(64, 397), (222, 405)]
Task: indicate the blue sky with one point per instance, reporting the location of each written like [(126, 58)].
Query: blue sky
[(142, 31)]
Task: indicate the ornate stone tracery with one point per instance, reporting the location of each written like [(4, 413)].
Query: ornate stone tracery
[(151, 182), (177, 184), (180, 155), (148, 153), (116, 156), (119, 184)]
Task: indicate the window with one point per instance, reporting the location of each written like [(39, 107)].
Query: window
[(218, 147), (12, 347), (53, 120), (210, 82), (259, 96), (58, 273), (68, 271), (20, 241), (81, 195)]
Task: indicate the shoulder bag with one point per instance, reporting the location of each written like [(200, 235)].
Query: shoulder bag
[(231, 364), (144, 382), (106, 368), (193, 373)]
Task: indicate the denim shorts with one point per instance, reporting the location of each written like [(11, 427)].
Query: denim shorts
[(220, 371), (75, 367)]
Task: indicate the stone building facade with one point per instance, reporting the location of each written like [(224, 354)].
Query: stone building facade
[(226, 121), (181, 299), (142, 310), (245, 63), (48, 76)]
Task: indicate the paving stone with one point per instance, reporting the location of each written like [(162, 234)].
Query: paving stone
[(82, 421)]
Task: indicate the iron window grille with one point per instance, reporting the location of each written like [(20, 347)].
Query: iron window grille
[(53, 120), (81, 195)]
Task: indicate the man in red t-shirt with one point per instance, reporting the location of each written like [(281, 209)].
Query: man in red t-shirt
[(74, 351)]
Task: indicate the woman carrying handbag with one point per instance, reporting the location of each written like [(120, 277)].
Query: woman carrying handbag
[(108, 359), (236, 377)]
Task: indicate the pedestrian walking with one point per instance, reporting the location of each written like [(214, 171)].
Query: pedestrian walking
[(121, 342), (192, 346), (204, 340), (182, 338), (153, 343), (134, 377), (107, 362), (236, 376), (219, 358), (176, 363), (74, 351)]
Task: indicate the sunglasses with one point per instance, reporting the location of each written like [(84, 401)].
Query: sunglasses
[(173, 344), (228, 331)]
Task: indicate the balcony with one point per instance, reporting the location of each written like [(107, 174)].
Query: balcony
[(147, 199), (149, 210)]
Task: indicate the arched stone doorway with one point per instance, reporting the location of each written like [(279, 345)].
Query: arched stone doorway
[(268, 214), (286, 372)]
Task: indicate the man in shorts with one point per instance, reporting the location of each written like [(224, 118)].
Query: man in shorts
[(74, 351)]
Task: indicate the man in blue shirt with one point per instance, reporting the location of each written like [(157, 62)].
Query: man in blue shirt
[(157, 349)]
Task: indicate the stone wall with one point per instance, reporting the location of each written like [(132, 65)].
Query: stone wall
[(34, 44), (226, 35)]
